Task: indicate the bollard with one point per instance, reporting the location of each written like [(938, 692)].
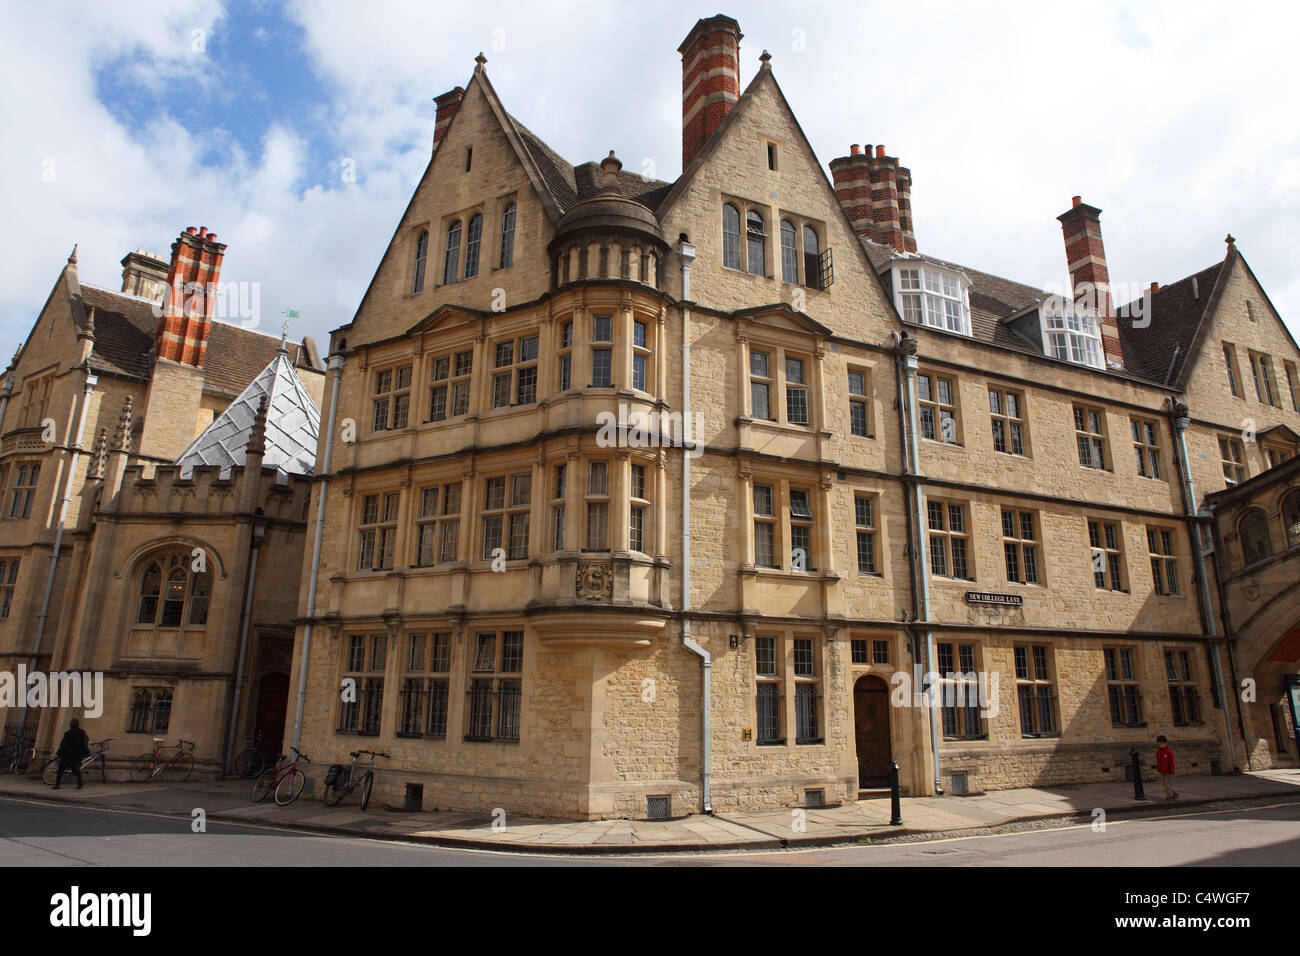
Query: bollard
[(1138, 792), (895, 811)]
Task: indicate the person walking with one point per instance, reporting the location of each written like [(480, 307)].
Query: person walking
[(1165, 767), (74, 748)]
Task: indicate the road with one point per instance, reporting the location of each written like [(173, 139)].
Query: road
[(37, 833)]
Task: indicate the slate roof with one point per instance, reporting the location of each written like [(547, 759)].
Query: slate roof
[(124, 340), (292, 425)]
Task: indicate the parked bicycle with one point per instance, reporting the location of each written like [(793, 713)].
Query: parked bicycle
[(98, 755), (251, 761), (176, 768), (285, 780), (339, 783)]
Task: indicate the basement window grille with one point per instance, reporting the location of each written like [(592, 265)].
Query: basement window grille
[(959, 782), (814, 798), (658, 807)]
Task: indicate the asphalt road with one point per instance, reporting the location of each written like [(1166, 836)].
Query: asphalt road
[(36, 833)]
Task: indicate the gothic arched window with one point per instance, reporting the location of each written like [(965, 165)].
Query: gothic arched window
[(1253, 531), (173, 594), (730, 237), (1291, 518)]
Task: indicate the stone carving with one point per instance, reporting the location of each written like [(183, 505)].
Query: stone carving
[(595, 581)]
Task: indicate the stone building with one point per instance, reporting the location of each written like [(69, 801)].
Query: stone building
[(149, 454), (644, 498)]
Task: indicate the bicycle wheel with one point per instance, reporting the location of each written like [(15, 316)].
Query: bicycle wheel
[(50, 772), (290, 785), (23, 761), (250, 763), (367, 785), (265, 784), (142, 768), (179, 770), (103, 768)]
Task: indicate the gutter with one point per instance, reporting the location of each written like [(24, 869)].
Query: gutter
[(1178, 414), (336, 366), (686, 252)]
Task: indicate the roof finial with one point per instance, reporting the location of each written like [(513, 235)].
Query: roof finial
[(123, 442), (481, 60), (765, 58), (257, 435), (1230, 240), (72, 256), (284, 337)]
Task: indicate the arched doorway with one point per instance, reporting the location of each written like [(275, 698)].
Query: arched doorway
[(272, 700), (871, 729)]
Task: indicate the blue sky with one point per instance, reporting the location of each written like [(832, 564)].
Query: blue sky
[(123, 130)]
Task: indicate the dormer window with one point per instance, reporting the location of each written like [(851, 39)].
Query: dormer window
[(1072, 335), (933, 297)]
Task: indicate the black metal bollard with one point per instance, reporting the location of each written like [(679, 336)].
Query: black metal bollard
[(1138, 792), (895, 811)]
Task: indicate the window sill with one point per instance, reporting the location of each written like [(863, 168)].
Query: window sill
[(811, 742), (944, 444), (771, 743), (491, 740)]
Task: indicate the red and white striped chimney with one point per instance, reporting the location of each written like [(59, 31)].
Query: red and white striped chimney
[(710, 80), (182, 335), (1085, 256)]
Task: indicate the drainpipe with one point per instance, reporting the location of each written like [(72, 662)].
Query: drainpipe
[(1181, 419), (259, 532), (1229, 640), (5, 391), (686, 252), (336, 366), (906, 358), (91, 382)]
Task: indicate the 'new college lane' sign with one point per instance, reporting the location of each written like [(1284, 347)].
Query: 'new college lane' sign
[(992, 597)]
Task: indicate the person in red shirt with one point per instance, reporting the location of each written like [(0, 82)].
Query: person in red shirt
[(1165, 767)]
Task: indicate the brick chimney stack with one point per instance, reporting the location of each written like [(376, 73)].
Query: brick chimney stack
[(191, 298), (448, 104), (1085, 257), (876, 194), (710, 80)]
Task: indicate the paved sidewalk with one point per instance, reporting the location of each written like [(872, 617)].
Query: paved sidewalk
[(753, 829)]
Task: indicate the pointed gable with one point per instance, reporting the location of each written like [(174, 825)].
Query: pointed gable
[(292, 425)]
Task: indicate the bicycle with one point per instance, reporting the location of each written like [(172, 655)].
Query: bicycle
[(251, 761), (50, 772), (285, 780), (336, 790), (177, 767)]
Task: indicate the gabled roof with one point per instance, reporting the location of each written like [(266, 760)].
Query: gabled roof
[(124, 327), (1160, 351), (292, 425)]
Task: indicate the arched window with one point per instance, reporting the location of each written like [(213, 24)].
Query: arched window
[(1253, 531), (1291, 518), (812, 265), (756, 246), (172, 593), (508, 236), (730, 237), (789, 254), (421, 255), (151, 711), (472, 242), (452, 261)]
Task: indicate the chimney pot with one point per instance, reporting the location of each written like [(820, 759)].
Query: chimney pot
[(1076, 201), (855, 150), (1155, 287), (192, 231), (880, 152)]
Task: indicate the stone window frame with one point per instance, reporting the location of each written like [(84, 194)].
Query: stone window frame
[(1122, 671), (1234, 370), (639, 507), (520, 371), (564, 357), (559, 502), (377, 529), (513, 512), (778, 388), (364, 660), (955, 681), (603, 346), (1163, 553), (598, 498), (945, 536), (498, 687), (196, 592), (1232, 457), (1014, 427), (1184, 688), (420, 260), (782, 520), (868, 532), (390, 395), (798, 676), (769, 683), (800, 227), (1256, 545), (1036, 675), (1261, 368), (508, 227), (1027, 550), (437, 520), (928, 398), (1292, 383), (1289, 512), (425, 681), (150, 710), (859, 401), (642, 366), (8, 580), (1146, 447), (1091, 427), (26, 478), (1114, 567), (36, 398), (451, 384)]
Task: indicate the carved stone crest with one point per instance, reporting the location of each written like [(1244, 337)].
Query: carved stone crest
[(595, 581)]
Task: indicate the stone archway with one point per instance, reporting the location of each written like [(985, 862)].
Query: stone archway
[(871, 731)]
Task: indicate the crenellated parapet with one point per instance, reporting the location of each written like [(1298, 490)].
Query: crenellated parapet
[(204, 493)]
